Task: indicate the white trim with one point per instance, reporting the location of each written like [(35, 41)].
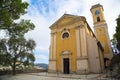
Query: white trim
[(51, 47), (83, 41), (67, 55), (78, 43), (68, 27), (54, 47)]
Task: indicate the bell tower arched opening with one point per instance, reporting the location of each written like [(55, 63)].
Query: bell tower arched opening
[(98, 19)]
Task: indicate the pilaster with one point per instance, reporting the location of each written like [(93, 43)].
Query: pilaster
[(77, 30), (83, 40)]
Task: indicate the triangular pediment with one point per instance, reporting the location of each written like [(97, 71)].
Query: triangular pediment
[(66, 18)]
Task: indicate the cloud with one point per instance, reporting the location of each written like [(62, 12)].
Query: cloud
[(2, 34), (41, 32), (69, 6), (41, 57), (43, 13), (26, 1), (111, 13), (42, 49)]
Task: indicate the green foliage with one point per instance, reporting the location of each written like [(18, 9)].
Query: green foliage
[(113, 41), (115, 65), (17, 48), (117, 34), (115, 60), (3, 60), (118, 70), (11, 10), (19, 29)]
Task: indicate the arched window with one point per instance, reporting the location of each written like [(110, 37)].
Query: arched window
[(98, 19)]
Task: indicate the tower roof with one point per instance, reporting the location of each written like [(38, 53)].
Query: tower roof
[(95, 6)]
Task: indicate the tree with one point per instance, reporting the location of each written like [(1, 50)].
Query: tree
[(11, 10), (115, 61), (3, 60), (114, 44), (17, 49), (115, 65), (14, 48), (117, 34)]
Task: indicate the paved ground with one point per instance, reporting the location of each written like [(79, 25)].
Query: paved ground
[(51, 76)]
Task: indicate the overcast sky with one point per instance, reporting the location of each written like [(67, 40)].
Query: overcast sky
[(44, 13)]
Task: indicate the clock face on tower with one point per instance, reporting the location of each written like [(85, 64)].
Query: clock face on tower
[(97, 12)]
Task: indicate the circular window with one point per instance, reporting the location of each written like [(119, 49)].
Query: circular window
[(97, 12), (65, 35)]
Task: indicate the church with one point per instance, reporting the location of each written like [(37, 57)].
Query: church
[(75, 48)]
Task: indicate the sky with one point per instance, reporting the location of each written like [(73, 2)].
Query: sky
[(43, 13)]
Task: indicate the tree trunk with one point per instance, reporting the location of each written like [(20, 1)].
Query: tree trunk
[(14, 67)]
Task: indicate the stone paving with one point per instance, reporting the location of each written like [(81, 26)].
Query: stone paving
[(51, 76)]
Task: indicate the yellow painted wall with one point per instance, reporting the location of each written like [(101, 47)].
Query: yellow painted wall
[(63, 45), (102, 37)]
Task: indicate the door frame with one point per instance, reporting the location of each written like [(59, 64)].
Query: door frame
[(66, 54)]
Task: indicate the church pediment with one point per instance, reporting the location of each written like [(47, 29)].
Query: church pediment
[(66, 19)]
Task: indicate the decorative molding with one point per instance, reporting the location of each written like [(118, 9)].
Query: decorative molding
[(53, 33), (65, 29), (66, 53), (82, 58), (68, 27), (52, 59), (81, 26), (79, 18), (77, 27)]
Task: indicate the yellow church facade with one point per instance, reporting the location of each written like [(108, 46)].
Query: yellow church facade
[(74, 47)]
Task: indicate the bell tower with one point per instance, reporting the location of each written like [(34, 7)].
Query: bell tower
[(101, 29)]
